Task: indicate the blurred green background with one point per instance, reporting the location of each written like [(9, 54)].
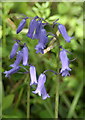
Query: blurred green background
[(14, 89)]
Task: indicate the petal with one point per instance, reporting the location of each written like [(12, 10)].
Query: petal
[(37, 91), (43, 37), (40, 47), (25, 56), (64, 60), (21, 26), (44, 94), (38, 30), (18, 59), (32, 27), (41, 81), (12, 71), (33, 75), (64, 33), (65, 73), (14, 49)]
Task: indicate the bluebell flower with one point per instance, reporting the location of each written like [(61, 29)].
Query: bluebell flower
[(38, 30), (65, 73), (65, 63), (18, 59), (33, 75), (25, 55), (12, 71), (14, 50), (40, 87), (21, 25), (43, 39), (43, 36), (44, 93), (32, 27), (40, 47), (64, 33)]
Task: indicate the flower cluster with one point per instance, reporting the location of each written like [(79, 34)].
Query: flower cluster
[(40, 83), (37, 31), (21, 55)]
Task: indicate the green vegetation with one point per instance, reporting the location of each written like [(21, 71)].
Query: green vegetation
[(14, 89)]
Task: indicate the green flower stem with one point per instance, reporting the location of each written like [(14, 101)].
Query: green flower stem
[(57, 81), (28, 100)]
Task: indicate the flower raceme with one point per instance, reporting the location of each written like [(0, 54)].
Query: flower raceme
[(65, 63), (21, 55), (37, 31)]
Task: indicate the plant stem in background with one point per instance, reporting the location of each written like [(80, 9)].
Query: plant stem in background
[(28, 99), (4, 24), (57, 81), (75, 101), (19, 97), (68, 103)]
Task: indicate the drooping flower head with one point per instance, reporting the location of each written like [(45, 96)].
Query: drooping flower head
[(33, 75), (40, 47), (18, 59), (32, 27), (64, 33), (12, 71), (40, 87), (43, 36), (38, 30), (21, 25), (25, 55), (14, 50), (43, 39), (65, 63)]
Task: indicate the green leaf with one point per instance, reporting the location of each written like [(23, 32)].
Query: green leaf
[(54, 17), (36, 11), (38, 5), (13, 113), (63, 8), (45, 5), (75, 101), (7, 101)]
